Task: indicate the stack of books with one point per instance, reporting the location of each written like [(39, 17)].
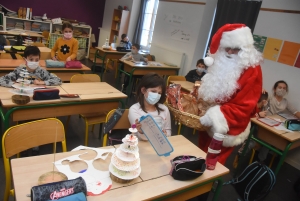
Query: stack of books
[(36, 26), (19, 25), (27, 25)]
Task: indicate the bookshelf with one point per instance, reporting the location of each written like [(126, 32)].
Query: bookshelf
[(119, 25), (11, 22)]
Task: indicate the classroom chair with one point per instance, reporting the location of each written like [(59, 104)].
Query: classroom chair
[(38, 44), (172, 78), (123, 123), (252, 156), (7, 42), (10, 56), (89, 119), (28, 135)]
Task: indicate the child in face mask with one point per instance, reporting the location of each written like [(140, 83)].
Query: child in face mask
[(198, 73), (134, 54), (37, 75), (66, 46), (278, 103), (151, 95)]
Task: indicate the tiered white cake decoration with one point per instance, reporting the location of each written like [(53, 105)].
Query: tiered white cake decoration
[(22, 89), (125, 162)]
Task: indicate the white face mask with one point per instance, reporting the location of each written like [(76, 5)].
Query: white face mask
[(68, 35), (280, 92), (133, 51), (200, 70), (32, 64), (153, 98)]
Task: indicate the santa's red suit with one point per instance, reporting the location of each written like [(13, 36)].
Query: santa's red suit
[(234, 108)]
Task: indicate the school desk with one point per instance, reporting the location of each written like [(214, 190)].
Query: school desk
[(154, 183), (102, 55), (21, 33), (45, 52), (131, 68), (278, 141), (65, 74), (185, 85), (96, 97)]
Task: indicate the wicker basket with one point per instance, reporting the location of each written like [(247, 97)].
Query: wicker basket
[(187, 119)]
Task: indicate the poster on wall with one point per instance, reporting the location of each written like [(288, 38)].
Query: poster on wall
[(259, 42), (272, 49), (289, 53), (297, 63)]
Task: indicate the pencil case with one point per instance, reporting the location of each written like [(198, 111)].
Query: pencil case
[(59, 190), (45, 94), (187, 167), (54, 64), (73, 64)]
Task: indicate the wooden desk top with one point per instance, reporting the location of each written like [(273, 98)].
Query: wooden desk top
[(290, 136), (6, 101), (36, 166), (154, 180), (100, 89), (151, 64), (185, 85), (87, 91), (110, 51), (11, 64), (23, 33)]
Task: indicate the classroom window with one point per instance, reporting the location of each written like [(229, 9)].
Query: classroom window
[(148, 24)]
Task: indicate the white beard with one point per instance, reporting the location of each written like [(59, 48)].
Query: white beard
[(220, 83)]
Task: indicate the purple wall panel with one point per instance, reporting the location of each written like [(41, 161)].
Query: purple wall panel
[(88, 11)]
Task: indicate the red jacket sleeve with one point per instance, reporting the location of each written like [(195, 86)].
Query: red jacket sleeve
[(239, 109)]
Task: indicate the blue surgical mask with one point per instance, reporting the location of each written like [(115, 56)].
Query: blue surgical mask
[(153, 98)]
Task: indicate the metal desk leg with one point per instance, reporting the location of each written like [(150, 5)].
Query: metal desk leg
[(282, 158), (218, 189)]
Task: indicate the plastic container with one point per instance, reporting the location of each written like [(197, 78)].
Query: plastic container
[(216, 142), (214, 151), (212, 158)]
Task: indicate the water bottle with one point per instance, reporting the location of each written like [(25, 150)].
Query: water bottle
[(214, 150)]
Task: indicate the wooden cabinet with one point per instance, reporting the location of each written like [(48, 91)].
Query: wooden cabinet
[(119, 25)]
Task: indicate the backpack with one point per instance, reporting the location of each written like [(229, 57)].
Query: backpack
[(292, 124), (254, 183)]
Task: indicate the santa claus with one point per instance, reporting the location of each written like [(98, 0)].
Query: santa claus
[(233, 84)]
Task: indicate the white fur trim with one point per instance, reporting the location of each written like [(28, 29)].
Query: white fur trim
[(237, 38), (215, 118), (208, 61), (234, 140)]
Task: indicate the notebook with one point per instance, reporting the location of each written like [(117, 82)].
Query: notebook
[(156, 137), (269, 121), (287, 115)]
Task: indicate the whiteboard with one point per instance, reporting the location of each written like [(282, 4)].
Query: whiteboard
[(176, 32), (165, 55)]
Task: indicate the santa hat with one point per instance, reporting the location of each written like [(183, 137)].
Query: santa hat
[(229, 35)]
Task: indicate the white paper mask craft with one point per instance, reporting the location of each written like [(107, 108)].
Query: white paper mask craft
[(97, 181)]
